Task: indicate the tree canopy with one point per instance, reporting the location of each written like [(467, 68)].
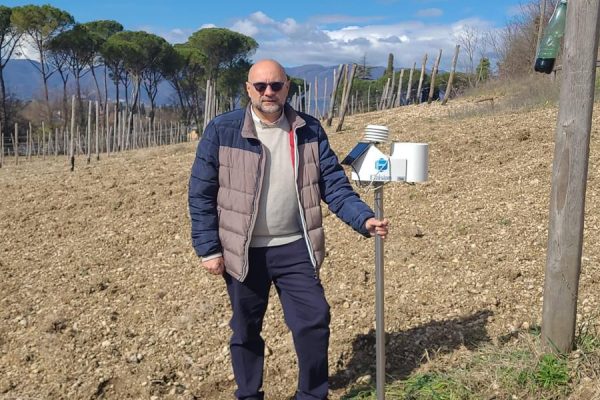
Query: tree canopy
[(223, 48)]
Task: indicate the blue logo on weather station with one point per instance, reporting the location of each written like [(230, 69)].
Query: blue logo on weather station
[(382, 164)]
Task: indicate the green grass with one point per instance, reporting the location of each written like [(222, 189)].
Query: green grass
[(513, 369)]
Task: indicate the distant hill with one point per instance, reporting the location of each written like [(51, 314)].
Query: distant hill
[(24, 81)]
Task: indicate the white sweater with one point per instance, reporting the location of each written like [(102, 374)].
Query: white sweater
[(277, 221)]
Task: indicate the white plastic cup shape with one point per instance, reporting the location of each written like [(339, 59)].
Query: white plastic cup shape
[(417, 160)]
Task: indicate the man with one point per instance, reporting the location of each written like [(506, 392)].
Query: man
[(254, 197)]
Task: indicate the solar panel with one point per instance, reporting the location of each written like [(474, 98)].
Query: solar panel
[(355, 153)]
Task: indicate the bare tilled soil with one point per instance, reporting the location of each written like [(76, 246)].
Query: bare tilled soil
[(102, 296)]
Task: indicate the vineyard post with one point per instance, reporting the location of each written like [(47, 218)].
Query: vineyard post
[(569, 175)]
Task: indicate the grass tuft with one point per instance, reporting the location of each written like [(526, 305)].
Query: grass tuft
[(514, 368)]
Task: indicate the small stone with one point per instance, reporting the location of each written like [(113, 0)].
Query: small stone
[(106, 343), (230, 377)]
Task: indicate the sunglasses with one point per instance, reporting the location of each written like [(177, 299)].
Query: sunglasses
[(262, 86)]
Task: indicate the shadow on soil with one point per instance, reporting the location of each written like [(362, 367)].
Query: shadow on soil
[(406, 350)]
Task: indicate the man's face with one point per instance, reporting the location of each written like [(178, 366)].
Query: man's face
[(267, 88)]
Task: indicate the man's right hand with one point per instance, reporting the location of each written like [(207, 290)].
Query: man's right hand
[(214, 266)]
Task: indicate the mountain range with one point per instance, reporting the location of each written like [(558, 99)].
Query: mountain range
[(24, 81)]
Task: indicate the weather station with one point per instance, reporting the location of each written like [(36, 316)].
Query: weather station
[(407, 162)]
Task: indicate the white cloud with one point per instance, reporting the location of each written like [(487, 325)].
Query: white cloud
[(261, 18), (430, 12), (294, 42), (246, 27)]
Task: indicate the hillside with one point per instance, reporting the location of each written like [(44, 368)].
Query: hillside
[(101, 294)]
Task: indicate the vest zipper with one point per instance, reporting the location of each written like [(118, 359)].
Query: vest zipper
[(300, 208), (255, 203)]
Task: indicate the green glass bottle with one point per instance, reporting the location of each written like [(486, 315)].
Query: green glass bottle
[(550, 43)]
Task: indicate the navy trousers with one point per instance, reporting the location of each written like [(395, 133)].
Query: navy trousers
[(305, 310)]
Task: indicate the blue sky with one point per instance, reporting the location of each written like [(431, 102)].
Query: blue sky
[(323, 32)]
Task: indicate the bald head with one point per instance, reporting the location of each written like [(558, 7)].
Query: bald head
[(265, 68)]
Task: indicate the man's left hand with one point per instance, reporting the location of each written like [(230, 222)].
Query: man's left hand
[(377, 227)]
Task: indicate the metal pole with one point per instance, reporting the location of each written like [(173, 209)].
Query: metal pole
[(379, 298)]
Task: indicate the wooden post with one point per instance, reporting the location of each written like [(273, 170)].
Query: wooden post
[(89, 132), (451, 77), (79, 146), (384, 95), (55, 142), (324, 99), (107, 128), (337, 75), (97, 132), (391, 91), (433, 74), (306, 98), (43, 141), (16, 144), (207, 99), (569, 175), (129, 129), (29, 141), (1, 145), (410, 78), (344, 88), (72, 143), (399, 94), (420, 87), (345, 99), (316, 91)]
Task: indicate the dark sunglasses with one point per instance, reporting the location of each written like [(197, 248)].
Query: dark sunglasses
[(262, 86)]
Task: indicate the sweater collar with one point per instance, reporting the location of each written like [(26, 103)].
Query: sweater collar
[(294, 119)]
